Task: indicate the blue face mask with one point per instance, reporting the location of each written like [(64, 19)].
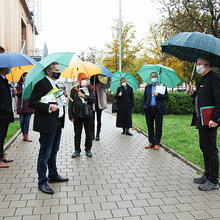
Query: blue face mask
[(154, 80)]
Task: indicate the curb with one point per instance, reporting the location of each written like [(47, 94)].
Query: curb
[(11, 140), (171, 151)]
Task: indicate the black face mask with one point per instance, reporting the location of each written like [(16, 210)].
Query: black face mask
[(56, 75)]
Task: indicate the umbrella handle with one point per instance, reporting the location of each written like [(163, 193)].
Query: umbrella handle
[(69, 98), (192, 73)]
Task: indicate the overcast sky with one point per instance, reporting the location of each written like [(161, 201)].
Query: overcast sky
[(75, 25)]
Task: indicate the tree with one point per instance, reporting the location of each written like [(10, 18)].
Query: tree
[(90, 56), (129, 49)]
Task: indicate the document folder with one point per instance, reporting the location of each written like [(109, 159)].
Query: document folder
[(206, 114)]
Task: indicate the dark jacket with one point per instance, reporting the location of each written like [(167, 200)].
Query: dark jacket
[(208, 94), (24, 108), (77, 109), (6, 112), (159, 100), (44, 121), (125, 106)]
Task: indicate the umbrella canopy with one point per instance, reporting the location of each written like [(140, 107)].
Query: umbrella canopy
[(105, 71), (77, 67), (165, 74), (192, 45), (37, 73), (11, 59), (116, 81), (17, 72)]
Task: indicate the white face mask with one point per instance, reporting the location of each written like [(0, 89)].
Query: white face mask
[(154, 80), (124, 84), (200, 69), (83, 82)]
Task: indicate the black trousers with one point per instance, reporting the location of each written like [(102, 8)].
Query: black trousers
[(207, 141), (151, 116), (3, 134), (98, 118), (78, 125)]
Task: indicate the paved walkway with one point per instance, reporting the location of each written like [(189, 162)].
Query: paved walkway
[(121, 181)]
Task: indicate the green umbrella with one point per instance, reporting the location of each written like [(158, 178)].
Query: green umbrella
[(116, 81), (37, 73), (165, 74)]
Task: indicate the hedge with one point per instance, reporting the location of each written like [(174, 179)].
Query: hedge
[(179, 103)]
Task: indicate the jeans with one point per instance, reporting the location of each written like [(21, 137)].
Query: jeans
[(3, 133), (24, 122), (49, 146)]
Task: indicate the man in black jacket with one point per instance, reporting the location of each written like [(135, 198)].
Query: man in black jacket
[(48, 120), (6, 113), (81, 114), (154, 108), (207, 94)]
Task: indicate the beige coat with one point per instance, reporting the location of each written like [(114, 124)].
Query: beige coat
[(102, 103)]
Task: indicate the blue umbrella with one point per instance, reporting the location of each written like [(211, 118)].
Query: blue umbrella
[(12, 59), (105, 71)]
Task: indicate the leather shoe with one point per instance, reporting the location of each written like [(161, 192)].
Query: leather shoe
[(200, 180), (58, 179), (129, 133), (149, 146), (5, 160), (156, 147), (88, 153), (97, 138), (3, 165), (208, 185), (45, 188), (76, 154)]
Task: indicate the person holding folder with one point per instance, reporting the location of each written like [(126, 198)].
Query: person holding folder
[(154, 108), (205, 98)]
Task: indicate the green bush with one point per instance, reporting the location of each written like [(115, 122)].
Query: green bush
[(178, 104), (110, 97)]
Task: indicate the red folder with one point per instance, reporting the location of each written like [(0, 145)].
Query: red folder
[(206, 114)]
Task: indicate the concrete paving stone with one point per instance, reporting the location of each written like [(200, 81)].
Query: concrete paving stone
[(12, 218), (184, 216), (185, 199), (18, 204), (76, 208), (41, 210), (67, 216), (28, 196), (120, 213), (35, 203), (214, 212), (140, 203), (24, 211), (103, 214), (12, 197), (137, 211), (83, 200), (124, 204), (213, 204), (174, 193), (132, 218), (98, 199), (67, 201), (109, 205), (85, 215), (73, 194), (118, 191), (156, 195), (90, 193), (58, 209), (151, 210), (199, 198), (200, 214), (184, 207), (48, 202), (155, 202), (8, 191), (150, 217), (92, 207), (167, 216), (50, 217), (169, 208), (23, 191), (7, 212), (143, 195)]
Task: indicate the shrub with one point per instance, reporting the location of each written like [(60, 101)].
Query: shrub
[(110, 97)]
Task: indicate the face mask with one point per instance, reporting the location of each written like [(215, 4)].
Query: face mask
[(84, 83), (154, 80), (200, 69), (124, 84), (56, 75)]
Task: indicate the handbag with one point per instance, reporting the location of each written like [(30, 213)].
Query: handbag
[(115, 106)]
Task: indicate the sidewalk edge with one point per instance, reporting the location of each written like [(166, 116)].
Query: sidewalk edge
[(11, 140)]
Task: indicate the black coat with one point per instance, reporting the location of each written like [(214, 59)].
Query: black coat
[(208, 94), (125, 105), (6, 112), (44, 121), (159, 100), (76, 108)]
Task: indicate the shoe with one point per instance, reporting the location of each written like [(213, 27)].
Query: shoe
[(88, 153), (25, 138), (3, 165), (149, 146), (97, 138), (45, 188), (129, 133), (156, 147), (123, 131), (76, 154), (58, 179), (200, 180), (208, 185), (4, 159)]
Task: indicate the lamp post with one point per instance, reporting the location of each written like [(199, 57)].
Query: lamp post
[(119, 35)]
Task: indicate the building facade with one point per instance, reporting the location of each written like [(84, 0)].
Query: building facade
[(17, 29)]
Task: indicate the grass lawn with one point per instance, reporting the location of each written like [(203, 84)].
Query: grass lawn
[(12, 129), (178, 135)]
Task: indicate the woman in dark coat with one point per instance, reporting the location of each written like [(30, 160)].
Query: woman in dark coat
[(125, 99), (23, 110)]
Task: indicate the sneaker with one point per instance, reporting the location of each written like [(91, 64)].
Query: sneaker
[(200, 180), (76, 154), (208, 185), (88, 153)]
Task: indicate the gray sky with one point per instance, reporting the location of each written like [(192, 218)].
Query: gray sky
[(75, 25)]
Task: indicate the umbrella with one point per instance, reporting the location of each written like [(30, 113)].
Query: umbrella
[(17, 72), (192, 45), (165, 74), (105, 71), (11, 59), (77, 67), (37, 73), (116, 81)]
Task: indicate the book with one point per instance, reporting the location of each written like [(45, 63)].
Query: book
[(206, 114)]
